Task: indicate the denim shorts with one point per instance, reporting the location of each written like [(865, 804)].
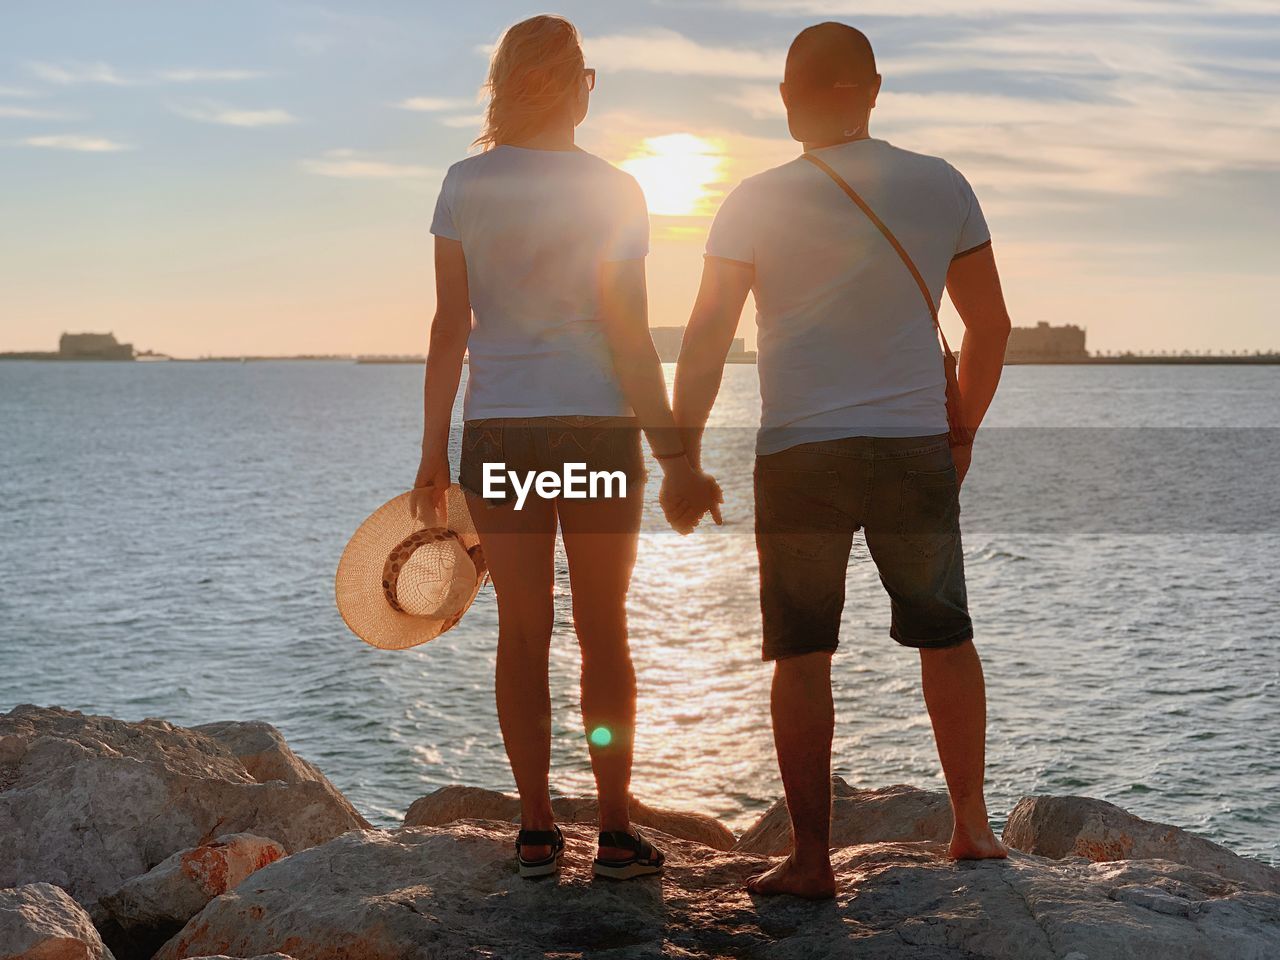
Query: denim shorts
[(536, 444), (812, 498)]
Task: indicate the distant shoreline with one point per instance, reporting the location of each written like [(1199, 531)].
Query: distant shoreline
[(1122, 360)]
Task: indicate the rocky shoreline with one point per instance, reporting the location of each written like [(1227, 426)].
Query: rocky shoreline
[(148, 840)]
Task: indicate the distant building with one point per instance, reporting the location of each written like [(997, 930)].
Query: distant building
[(1045, 344), (93, 346), (667, 341)]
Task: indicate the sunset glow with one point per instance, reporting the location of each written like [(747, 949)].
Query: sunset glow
[(676, 172)]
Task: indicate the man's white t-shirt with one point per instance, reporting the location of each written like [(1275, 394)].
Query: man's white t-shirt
[(535, 226), (846, 343)]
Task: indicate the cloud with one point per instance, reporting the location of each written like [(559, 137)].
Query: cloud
[(29, 113), (202, 76), (1134, 141), (16, 92), (462, 122), (74, 73), (351, 165), (1090, 111), (994, 8), (666, 51), (435, 104), (77, 142), (210, 111)]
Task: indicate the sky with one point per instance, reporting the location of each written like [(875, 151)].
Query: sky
[(258, 176)]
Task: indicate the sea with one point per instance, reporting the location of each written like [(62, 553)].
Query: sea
[(169, 534)]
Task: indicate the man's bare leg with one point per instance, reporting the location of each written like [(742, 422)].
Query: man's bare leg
[(803, 724), (955, 694)]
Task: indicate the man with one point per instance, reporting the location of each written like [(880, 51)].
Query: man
[(854, 422)]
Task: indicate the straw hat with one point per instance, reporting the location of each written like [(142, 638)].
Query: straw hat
[(400, 582)]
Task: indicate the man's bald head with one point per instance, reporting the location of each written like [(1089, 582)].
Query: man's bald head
[(830, 53), (831, 84)]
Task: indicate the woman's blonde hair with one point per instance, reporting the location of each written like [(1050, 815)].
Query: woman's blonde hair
[(537, 66)]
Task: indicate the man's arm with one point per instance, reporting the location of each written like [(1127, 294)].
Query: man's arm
[(707, 339), (974, 285)]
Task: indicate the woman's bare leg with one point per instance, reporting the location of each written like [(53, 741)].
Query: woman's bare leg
[(519, 548), (600, 538)]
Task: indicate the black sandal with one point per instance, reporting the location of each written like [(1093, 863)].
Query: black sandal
[(645, 859), (552, 838)]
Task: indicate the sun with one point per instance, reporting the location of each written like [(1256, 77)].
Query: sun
[(676, 171)]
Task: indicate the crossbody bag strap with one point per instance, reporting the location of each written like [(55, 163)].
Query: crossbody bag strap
[(893, 241)]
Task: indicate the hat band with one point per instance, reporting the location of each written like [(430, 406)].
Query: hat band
[(400, 555)]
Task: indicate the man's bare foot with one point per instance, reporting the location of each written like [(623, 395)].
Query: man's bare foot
[(811, 883), (976, 843)]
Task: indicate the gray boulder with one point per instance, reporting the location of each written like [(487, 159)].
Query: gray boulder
[(452, 892), (858, 816), (89, 802), (39, 921), (138, 918), (452, 803), (1059, 827), (266, 756)]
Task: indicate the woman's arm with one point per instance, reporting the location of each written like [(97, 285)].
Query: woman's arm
[(450, 328), (624, 304)]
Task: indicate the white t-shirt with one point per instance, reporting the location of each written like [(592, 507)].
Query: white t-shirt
[(846, 344), (535, 226)]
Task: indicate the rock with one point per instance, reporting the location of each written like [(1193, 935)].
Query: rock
[(147, 910), (1059, 827), (859, 816), (266, 756), (454, 802), (41, 922), (261, 956), (452, 892), (90, 802)]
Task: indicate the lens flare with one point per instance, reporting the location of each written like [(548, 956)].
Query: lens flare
[(601, 737)]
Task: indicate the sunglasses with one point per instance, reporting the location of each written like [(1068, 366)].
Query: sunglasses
[(589, 74)]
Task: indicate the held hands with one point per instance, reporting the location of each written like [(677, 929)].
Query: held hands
[(687, 495), (428, 502)]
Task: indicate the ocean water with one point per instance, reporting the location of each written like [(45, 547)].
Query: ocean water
[(169, 533)]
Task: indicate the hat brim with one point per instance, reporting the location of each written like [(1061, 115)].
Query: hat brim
[(358, 588)]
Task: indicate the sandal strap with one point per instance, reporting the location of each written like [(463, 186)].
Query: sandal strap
[(540, 838), (622, 840)]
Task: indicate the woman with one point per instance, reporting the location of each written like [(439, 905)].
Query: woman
[(545, 244)]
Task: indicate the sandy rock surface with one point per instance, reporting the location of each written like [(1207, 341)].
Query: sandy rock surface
[(454, 802), (1060, 827), (265, 755), (859, 816), (88, 803), (147, 910), (445, 892), (39, 921)]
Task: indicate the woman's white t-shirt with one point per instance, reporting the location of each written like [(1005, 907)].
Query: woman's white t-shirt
[(535, 227)]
